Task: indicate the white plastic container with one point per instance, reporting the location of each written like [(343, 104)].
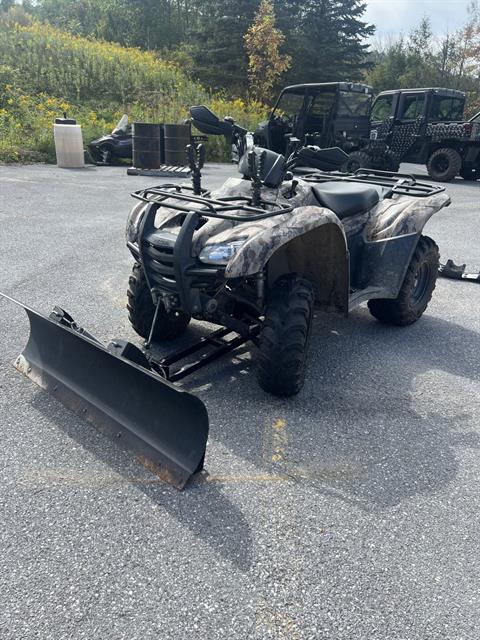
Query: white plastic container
[(68, 143)]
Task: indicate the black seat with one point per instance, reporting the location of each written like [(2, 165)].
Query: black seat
[(346, 198)]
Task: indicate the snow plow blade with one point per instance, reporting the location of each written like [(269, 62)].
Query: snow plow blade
[(114, 389)]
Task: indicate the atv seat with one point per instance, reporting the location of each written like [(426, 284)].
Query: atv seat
[(347, 198)]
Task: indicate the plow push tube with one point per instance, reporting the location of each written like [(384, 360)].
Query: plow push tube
[(166, 428)]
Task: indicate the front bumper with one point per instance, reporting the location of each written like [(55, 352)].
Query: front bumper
[(172, 273)]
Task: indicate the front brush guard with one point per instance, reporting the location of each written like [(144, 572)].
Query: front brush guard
[(115, 390)]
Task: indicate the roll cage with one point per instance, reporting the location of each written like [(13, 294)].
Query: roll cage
[(317, 111)]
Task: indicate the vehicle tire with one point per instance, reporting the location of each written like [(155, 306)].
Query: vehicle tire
[(444, 164), (470, 174), (417, 288), (141, 310), (285, 335), (357, 160)]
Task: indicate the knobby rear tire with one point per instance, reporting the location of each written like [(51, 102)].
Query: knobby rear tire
[(417, 288)]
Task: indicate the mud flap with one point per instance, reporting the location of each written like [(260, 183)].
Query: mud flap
[(166, 428)]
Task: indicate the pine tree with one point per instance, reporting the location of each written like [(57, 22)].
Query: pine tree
[(326, 38), (265, 63), (220, 57)]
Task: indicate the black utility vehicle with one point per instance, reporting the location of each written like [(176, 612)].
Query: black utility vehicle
[(334, 114), (424, 126)]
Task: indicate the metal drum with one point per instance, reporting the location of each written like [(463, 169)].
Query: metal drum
[(147, 145), (177, 137)]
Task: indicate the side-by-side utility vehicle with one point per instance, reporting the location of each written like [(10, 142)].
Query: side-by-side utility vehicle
[(422, 126), (334, 114)]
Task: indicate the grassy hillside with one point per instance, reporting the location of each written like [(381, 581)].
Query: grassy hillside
[(44, 72)]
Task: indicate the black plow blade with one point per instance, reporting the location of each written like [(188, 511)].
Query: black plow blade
[(166, 428)]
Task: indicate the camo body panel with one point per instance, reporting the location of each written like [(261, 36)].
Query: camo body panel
[(402, 215), (392, 217), (451, 131), (216, 230), (406, 134), (255, 253)]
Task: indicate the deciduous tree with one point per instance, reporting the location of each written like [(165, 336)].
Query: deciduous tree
[(266, 64)]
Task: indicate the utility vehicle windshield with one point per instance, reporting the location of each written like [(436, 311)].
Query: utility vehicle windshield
[(322, 103), (352, 104)]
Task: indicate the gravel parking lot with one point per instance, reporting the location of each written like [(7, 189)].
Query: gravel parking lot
[(350, 512)]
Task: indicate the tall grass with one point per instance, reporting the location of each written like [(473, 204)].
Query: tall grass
[(44, 71)]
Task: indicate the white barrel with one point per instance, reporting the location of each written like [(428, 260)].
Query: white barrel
[(69, 145)]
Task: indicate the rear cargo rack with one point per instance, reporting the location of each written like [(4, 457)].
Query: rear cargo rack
[(397, 183), (238, 208)]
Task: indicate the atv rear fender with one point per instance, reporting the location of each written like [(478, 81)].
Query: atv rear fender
[(311, 243), (403, 216)]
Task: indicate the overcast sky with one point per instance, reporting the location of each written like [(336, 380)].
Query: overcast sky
[(397, 16)]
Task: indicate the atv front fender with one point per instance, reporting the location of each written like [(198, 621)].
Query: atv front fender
[(260, 247), (310, 242)]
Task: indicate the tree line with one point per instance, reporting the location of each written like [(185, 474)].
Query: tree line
[(249, 48), (423, 59), (322, 39)]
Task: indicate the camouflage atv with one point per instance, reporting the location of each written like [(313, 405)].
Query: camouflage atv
[(256, 258), (260, 254)]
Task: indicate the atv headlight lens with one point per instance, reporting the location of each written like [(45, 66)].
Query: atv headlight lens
[(221, 253), (133, 222)]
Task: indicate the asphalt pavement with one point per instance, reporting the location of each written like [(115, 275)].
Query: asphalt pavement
[(350, 512)]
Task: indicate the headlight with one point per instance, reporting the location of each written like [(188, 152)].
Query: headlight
[(133, 222), (221, 253)]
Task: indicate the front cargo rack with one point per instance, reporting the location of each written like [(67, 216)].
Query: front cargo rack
[(238, 208), (397, 183)]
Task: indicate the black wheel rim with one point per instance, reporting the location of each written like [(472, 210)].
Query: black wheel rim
[(420, 285), (441, 164)]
